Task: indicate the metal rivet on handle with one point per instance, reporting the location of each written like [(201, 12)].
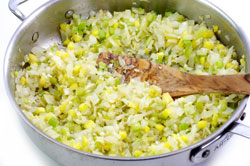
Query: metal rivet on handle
[(205, 154), (69, 14), (243, 116), (35, 37)]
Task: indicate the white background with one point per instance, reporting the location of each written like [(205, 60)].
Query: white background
[(16, 147)]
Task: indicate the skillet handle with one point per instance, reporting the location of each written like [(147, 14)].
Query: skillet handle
[(13, 6), (240, 129)]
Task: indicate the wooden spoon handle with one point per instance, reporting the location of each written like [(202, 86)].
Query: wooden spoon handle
[(236, 84)]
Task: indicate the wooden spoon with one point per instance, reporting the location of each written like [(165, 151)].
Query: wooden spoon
[(173, 81)]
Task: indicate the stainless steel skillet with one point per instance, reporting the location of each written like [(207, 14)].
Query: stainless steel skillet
[(41, 29)]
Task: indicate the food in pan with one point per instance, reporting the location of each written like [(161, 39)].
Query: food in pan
[(61, 90)]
